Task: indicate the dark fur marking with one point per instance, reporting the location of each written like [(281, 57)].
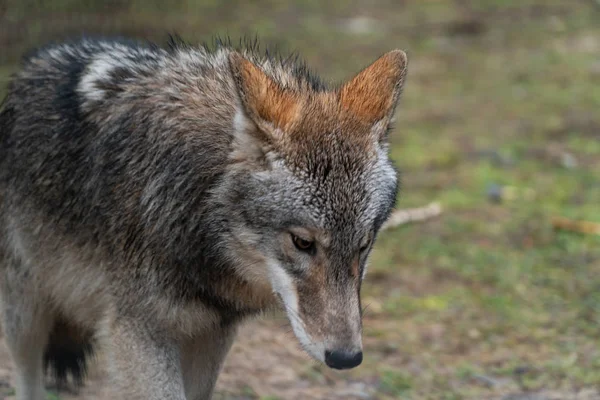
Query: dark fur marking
[(67, 353)]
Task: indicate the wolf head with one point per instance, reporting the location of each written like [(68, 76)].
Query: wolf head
[(310, 185)]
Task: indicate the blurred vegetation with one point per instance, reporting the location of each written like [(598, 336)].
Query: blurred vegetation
[(488, 300)]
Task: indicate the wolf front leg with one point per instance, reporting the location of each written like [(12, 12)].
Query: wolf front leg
[(26, 345), (26, 323), (144, 363), (202, 358)]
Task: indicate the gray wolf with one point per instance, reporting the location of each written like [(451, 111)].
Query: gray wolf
[(153, 198)]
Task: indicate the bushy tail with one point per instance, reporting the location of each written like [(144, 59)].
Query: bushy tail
[(66, 354)]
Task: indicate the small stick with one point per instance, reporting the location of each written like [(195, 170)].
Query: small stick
[(405, 216), (590, 228)]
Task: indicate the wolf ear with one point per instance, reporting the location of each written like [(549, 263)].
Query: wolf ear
[(373, 93), (264, 100)]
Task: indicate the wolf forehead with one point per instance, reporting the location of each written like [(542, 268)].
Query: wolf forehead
[(338, 187)]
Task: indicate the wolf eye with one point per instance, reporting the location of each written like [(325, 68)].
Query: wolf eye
[(302, 244), (365, 247)]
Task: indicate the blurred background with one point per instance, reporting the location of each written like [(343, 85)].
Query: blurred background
[(499, 296)]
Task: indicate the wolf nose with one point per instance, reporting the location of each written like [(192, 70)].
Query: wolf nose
[(343, 359)]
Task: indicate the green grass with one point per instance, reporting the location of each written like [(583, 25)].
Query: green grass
[(396, 383), (486, 289)]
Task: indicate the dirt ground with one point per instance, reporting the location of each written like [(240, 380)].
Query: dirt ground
[(263, 365)]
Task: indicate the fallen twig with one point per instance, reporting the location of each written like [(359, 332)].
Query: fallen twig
[(404, 216), (587, 227)]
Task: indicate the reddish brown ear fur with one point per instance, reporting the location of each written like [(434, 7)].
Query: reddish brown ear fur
[(372, 94), (263, 99)]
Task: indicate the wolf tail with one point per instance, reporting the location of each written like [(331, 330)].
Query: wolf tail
[(67, 352)]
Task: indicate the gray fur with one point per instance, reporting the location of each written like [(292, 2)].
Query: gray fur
[(124, 209)]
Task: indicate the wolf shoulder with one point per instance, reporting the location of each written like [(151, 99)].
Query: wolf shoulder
[(91, 76)]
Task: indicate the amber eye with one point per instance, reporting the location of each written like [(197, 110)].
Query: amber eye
[(302, 244)]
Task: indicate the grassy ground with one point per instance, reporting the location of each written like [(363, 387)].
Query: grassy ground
[(487, 301)]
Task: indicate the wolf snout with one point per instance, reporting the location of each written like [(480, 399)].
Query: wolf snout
[(341, 359)]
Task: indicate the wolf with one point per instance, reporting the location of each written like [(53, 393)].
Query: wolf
[(154, 197)]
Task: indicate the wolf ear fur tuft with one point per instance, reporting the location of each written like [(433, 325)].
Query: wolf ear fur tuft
[(263, 99), (373, 93)]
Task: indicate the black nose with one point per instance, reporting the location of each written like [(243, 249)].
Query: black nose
[(343, 359)]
